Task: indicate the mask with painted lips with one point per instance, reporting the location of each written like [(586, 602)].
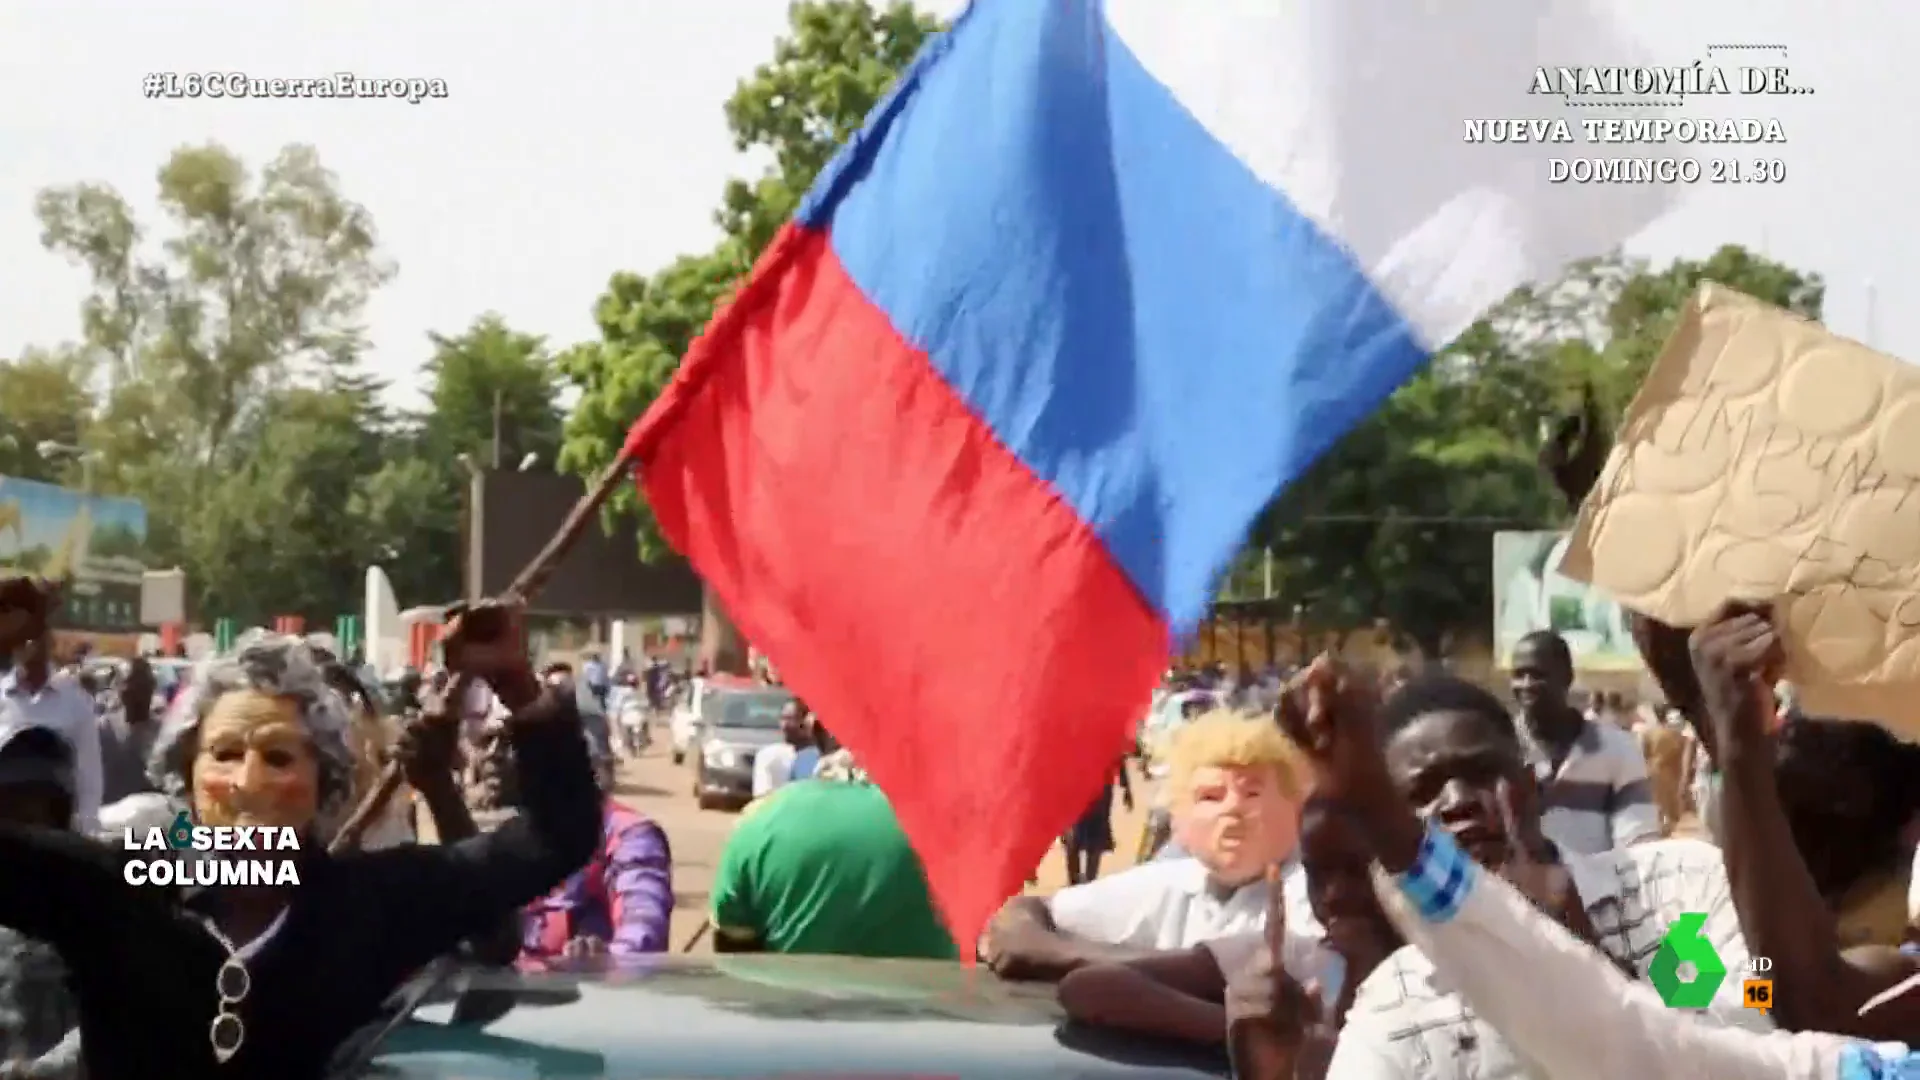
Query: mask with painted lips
[(256, 764)]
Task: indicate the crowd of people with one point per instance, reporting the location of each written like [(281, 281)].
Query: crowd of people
[(1400, 874), (103, 978), (1352, 874), (1403, 876)]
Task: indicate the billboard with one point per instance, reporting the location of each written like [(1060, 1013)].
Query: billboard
[(601, 576), (101, 540), (1528, 596)]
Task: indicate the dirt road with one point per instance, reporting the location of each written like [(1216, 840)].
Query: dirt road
[(663, 791)]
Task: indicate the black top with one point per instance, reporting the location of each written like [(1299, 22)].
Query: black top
[(358, 926)]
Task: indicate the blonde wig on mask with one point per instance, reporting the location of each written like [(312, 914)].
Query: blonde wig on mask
[(284, 667), (1222, 738)]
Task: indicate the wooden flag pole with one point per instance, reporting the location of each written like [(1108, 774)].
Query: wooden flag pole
[(526, 585)]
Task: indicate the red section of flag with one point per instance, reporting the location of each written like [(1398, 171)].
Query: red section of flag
[(949, 617)]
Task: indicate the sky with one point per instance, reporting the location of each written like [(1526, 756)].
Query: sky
[(579, 139)]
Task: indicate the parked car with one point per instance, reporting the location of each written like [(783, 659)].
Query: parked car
[(740, 1017), (683, 720), (735, 722)]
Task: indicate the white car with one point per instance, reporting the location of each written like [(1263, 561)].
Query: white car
[(683, 726)]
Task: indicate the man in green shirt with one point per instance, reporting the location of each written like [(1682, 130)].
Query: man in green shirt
[(821, 866)]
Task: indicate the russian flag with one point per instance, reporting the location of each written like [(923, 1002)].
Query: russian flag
[(967, 452)]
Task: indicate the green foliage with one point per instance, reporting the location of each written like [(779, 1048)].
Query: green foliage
[(837, 61), (218, 380), (645, 328), (491, 373), (257, 281), (1397, 522), (43, 398)]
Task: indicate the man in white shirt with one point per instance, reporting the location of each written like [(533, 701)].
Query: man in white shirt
[(1480, 930), (773, 764), (32, 697), (1409, 1019), (1453, 756), (1573, 1015), (1236, 809), (1178, 995), (1591, 775)]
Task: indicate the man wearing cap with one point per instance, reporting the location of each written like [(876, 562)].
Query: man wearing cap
[(32, 697), (39, 1020)]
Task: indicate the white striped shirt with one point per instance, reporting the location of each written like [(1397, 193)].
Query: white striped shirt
[(1410, 1020), (1599, 798)]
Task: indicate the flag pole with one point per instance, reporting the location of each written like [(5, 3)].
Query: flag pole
[(525, 586)]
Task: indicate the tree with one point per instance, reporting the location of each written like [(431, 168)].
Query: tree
[(1396, 522), (281, 526), (488, 380), (259, 282), (646, 325), (207, 337), (412, 509), (838, 60), (43, 398), (415, 501)]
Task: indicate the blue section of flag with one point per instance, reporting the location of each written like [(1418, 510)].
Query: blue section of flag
[(1153, 330)]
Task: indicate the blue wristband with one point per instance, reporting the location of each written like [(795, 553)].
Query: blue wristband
[(1440, 878)]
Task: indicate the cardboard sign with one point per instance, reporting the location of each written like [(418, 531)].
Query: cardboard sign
[(1765, 458)]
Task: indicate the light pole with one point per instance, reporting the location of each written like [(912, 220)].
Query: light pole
[(476, 501), (48, 449)]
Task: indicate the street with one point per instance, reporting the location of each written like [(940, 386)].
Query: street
[(663, 791)]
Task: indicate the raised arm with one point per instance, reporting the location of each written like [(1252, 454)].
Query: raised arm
[(1574, 456), (1479, 931), (434, 897), (62, 888), (428, 750), (1781, 910)]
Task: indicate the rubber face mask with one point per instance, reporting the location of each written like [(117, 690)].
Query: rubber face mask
[(256, 764), (1237, 821)]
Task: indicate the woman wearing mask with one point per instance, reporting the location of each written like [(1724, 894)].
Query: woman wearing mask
[(266, 981)]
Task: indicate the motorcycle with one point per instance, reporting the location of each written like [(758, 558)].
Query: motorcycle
[(636, 730)]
